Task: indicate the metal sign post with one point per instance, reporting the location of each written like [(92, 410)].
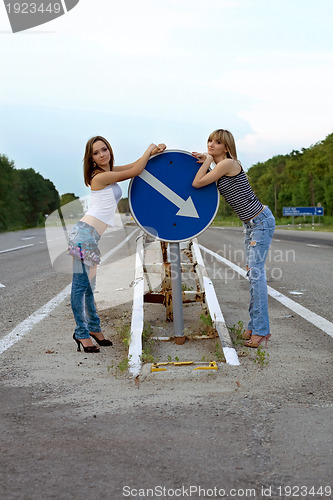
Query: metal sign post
[(176, 285)]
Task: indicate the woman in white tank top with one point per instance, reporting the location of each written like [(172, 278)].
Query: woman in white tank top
[(102, 176)]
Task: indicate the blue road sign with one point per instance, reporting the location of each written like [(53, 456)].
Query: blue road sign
[(164, 203), (294, 211)]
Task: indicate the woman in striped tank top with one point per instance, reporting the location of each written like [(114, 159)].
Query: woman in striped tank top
[(258, 220)]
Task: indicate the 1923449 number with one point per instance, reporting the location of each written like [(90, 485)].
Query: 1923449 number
[(33, 8)]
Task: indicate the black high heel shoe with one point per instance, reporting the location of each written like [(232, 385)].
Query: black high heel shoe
[(103, 342), (89, 348)]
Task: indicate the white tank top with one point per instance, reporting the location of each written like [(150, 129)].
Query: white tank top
[(103, 203)]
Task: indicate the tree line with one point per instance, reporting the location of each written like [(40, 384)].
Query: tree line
[(25, 197), (299, 179)]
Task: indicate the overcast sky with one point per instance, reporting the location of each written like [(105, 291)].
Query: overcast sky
[(167, 71)]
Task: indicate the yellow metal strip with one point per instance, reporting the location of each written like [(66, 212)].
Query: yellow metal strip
[(212, 366)]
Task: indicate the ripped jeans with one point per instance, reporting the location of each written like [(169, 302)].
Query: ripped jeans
[(82, 301), (258, 236)]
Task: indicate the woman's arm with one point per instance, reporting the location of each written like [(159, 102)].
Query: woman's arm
[(126, 171), (203, 178), (120, 168)]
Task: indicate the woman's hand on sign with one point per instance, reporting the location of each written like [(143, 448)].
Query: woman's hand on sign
[(158, 149), (201, 157)]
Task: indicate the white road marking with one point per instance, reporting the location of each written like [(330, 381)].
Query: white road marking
[(186, 207), (2, 286), (28, 238), (214, 308), (318, 321), (313, 245), (23, 328), (17, 248)]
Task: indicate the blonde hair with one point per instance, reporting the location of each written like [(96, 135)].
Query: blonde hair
[(89, 167), (227, 139)]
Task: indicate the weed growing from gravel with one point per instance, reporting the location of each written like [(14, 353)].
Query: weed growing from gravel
[(219, 353), (147, 344), (170, 359), (207, 327), (121, 367), (206, 320), (261, 357), (237, 332), (124, 331)]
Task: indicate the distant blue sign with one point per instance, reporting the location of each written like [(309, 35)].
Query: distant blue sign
[(294, 211), (164, 203)]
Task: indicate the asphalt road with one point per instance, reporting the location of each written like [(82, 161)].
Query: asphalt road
[(299, 265), (69, 429), (27, 276)]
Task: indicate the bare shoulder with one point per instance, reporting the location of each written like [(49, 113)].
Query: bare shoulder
[(228, 166), (102, 180)]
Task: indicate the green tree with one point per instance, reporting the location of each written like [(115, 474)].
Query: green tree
[(67, 198), (9, 206), (25, 197), (301, 178), (38, 197), (123, 205)]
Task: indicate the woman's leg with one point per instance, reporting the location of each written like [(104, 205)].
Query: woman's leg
[(79, 288), (93, 321), (258, 247), (80, 285), (247, 238)]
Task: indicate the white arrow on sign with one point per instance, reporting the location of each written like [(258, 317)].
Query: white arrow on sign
[(186, 207)]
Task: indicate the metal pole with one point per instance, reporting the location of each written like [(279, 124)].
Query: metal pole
[(176, 285)]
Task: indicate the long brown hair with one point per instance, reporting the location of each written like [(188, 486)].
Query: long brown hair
[(227, 139), (89, 166)]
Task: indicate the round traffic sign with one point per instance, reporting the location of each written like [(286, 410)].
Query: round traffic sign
[(163, 201)]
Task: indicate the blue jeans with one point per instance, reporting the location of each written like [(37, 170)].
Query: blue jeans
[(82, 301), (258, 236)]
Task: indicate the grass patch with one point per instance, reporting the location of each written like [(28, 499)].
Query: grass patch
[(236, 332), (147, 345), (261, 358), (325, 223), (206, 326)]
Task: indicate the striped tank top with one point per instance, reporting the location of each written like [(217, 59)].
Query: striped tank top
[(238, 194)]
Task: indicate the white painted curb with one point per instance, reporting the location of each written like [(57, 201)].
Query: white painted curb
[(135, 347), (215, 312)]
